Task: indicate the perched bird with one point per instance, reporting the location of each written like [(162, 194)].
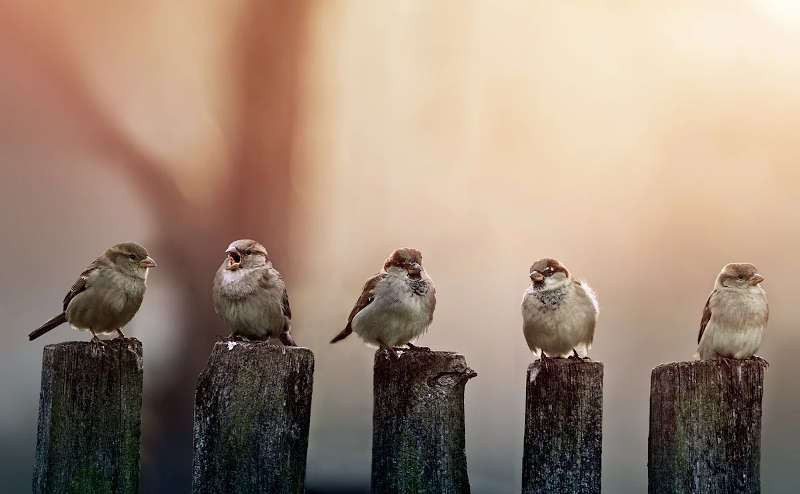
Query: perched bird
[(250, 295), (107, 294), (558, 313), (735, 315), (396, 305)]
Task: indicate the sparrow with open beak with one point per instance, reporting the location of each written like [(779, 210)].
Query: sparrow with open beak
[(250, 295), (396, 305), (558, 313), (735, 315), (107, 294)]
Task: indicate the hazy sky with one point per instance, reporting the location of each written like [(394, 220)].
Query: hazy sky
[(644, 147)]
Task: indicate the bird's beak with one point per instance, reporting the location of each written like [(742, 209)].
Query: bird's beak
[(148, 262), (234, 259), (414, 269), (756, 279), (537, 277)]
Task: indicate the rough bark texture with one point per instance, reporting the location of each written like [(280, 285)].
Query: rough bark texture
[(705, 427), (563, 427), (89, 418), (418, 423), (252, 410)]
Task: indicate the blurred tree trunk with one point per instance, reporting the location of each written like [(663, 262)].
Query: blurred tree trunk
[(253, 201)]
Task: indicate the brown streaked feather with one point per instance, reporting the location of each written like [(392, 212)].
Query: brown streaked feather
[(80, 283), (366, 296), (287, 311), (267, 281), (706, 317), (364, 300)]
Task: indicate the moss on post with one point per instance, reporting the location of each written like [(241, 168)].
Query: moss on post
[(418, 423), (251, 419), (89, 418), (705, 427)]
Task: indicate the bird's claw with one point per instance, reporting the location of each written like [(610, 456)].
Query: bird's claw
[(97, 341), (286, 339), (417, 348), (392, 351)]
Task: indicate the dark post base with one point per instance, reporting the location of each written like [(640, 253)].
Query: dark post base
[(418, 423), (251, 418), (89, 418), (563, 427), (705, 427)]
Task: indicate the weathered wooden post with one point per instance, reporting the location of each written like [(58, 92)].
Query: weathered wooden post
[(563, 427), (705, 427), (251, 417), (89, 418), (418, 423)]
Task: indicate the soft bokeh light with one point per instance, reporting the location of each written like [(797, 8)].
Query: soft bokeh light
[(786, 12)]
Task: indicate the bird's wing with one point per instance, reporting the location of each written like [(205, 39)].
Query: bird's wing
[(268, 280), (589, 291), (591, 298), (287, 311), (433, 303), (364, 300), (82, 283), (366, 296), (706, 316)]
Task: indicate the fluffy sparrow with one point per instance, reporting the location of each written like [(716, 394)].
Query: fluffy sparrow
[(107, 294), (250, 295), (558, 313), (396, 305), (735, 315)]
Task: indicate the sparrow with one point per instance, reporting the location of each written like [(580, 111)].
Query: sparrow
[(396, 305), (559, 313), (107, 294), (735, 315), (250, 295)]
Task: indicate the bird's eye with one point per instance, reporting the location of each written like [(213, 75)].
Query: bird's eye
[(741, 276), (132, 257)]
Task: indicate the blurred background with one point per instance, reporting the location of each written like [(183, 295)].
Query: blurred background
[(643, 145)]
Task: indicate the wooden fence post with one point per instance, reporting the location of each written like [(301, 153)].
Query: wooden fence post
[(251, 418), (418, 423), (705, 427), (563, 427), (89, 429)]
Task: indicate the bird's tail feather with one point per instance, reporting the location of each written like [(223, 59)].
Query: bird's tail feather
[(52, 323), (344, 334)]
